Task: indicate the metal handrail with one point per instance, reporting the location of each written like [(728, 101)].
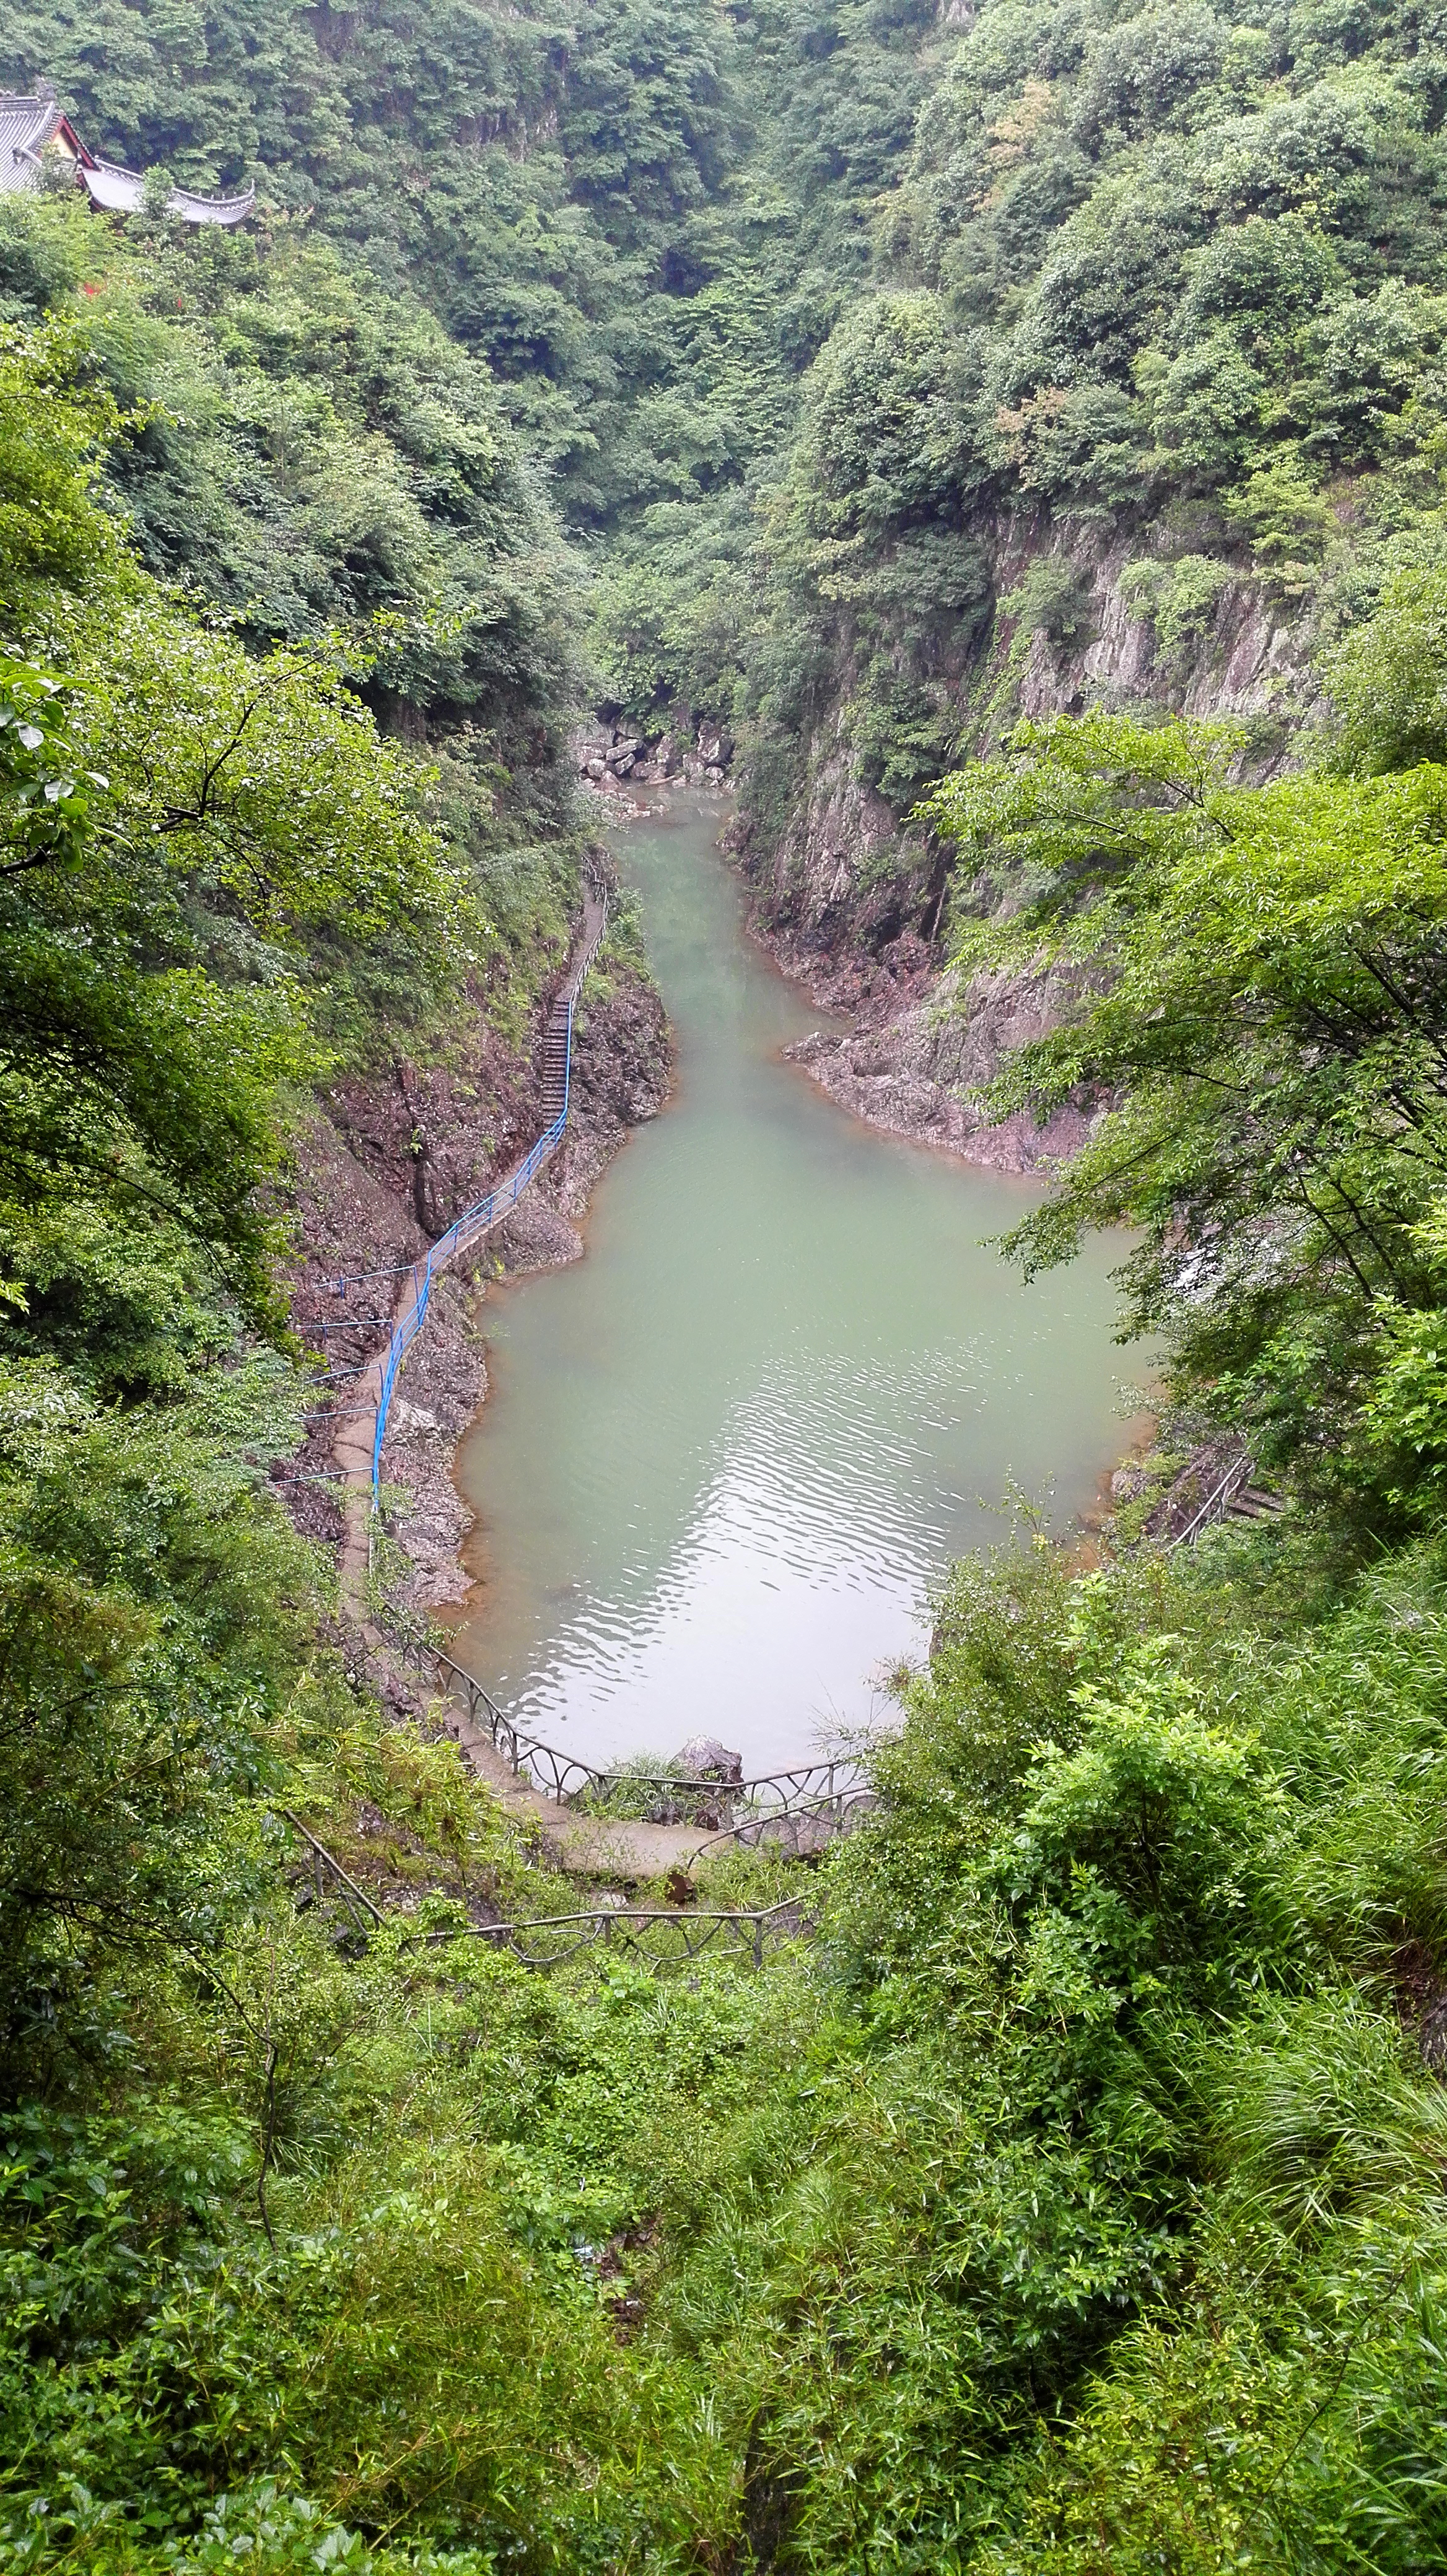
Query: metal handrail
[(699, 1925), (794, 1831), (1217, 1500), (626, 1924), (474, 1221), (322, 1859), (807, 1790)]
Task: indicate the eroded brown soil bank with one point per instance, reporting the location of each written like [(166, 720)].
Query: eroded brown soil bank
[(385, 1165)]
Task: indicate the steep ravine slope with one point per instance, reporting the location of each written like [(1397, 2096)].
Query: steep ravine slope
[(853, 899), (385, 1165)]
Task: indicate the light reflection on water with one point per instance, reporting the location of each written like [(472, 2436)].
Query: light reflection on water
[(726, 1456)]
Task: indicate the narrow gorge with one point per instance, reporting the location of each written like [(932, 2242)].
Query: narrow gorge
[(735, 1870)]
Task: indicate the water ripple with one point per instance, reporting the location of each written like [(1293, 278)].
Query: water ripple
[(729, 1453)]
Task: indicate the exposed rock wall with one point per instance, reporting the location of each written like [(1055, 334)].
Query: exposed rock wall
[(851, 899), (912, 1071), (385, 1166), (1248, 658)]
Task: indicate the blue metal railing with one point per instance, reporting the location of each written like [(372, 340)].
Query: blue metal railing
[(474, 1221)]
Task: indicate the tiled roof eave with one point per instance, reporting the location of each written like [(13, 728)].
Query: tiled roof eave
[(120, 191), (221, 208)]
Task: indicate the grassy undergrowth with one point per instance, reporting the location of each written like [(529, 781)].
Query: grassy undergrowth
[(1072, 2200)]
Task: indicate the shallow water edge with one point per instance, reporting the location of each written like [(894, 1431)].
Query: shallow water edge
[(726, 1458)]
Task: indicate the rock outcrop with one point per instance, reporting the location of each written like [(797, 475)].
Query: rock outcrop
[(914, 1070), (607, 754), (704, 1758), (851, 898)]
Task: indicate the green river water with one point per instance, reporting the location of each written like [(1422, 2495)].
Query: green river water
[(725, 1457)]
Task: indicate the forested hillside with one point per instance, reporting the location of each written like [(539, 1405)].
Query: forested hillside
[(894, 364), (1023, 429), (1162, 289)]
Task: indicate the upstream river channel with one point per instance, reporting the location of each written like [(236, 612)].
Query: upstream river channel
[(727, 1455)]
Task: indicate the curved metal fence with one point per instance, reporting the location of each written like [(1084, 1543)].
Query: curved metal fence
[(799, 1833), (657, 1936), (798, 1809)]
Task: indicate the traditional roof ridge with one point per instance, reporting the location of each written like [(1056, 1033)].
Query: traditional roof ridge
[(32, 120), (122, 169)]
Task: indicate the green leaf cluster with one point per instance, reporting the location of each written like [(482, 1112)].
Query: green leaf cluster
[(1260, 1034)]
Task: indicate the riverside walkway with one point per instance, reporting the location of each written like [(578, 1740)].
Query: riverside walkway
[(361, 1433), (588, 1845), (544, 1791)]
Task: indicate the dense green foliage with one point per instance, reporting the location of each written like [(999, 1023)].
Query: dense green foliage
[(1268, 1018), (645, 220), (1156, 282), (181, 821), (1072, 2200), (1172, 281), (562, 192), (310, 455), (1083, 2183)]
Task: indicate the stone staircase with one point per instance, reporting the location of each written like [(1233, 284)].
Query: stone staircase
[(1233, 1495), (555, 1061)]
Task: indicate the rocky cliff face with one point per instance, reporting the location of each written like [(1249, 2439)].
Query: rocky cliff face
[(851, 900), (913, 1070), (1237, 651), (385, 1166)]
